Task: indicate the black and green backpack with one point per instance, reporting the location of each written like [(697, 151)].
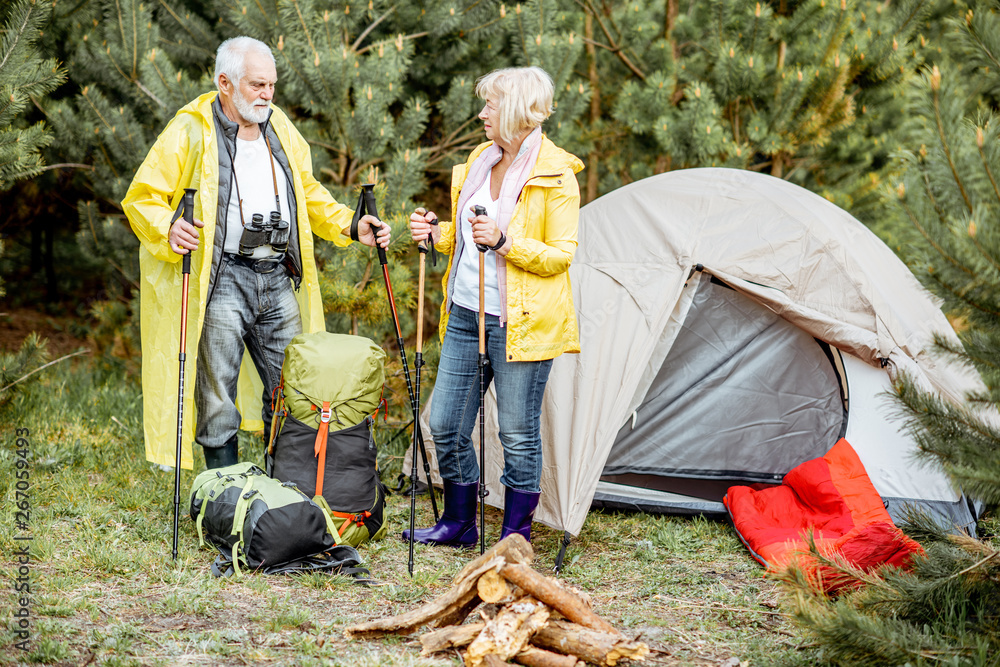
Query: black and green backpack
[(321, 437), (259, 523)]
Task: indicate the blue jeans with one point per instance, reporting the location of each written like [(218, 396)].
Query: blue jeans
[(249, 309), (455, 408)]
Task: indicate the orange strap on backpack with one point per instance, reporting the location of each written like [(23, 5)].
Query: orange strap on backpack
[(319, 448), (357, 519), (277, 404)]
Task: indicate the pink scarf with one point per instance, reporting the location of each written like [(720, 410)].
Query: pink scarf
[(517, 175)]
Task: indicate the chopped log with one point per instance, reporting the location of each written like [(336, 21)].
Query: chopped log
[(457, 602), (456, 614), (557, 596), (508, 633), (597, 648), (453, 636), (536, 657), (514, 548), (583, 595), (494, 588)]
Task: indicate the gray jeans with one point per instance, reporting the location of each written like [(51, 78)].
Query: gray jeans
[(250, 309)]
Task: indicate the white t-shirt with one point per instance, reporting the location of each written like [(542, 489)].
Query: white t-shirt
[(252, 168), (467, 278)]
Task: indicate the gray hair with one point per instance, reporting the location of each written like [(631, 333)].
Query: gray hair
[(231, 56)]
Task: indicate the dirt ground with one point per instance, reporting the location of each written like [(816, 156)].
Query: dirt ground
[(17, 323)]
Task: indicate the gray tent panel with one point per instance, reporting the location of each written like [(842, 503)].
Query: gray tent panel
[(743, 396)]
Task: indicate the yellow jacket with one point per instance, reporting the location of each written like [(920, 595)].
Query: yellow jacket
[(186, 155), (541, 319)]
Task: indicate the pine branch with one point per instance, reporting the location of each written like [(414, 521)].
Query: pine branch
[(414, 35), (974, 566), (23, 29), (67, 165), (43, 367), (986, 165), (366, 31), (927, 236), (615, 48), (935, 84)]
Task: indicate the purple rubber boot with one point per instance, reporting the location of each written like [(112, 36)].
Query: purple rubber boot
[(518, 511), (457, 527)]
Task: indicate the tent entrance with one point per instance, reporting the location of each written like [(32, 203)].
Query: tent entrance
[(742, 397)]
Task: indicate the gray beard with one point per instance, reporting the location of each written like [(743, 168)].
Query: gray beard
[(248, 111)]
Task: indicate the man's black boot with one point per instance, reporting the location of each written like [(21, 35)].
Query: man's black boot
[(220, 457)]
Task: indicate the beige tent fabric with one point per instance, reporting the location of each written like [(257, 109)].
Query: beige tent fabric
[(781, 245)]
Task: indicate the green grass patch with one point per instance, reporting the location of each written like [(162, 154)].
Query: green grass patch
[(105, 590)]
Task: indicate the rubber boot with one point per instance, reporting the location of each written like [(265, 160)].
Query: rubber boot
[(518, 511), (220, 457), (457, 527)]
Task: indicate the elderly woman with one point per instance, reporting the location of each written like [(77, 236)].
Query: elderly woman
[(528, 188)]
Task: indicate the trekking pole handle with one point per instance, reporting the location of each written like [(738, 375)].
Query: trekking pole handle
[(187, 202), (480, 210), (368, 192), (427, 245)]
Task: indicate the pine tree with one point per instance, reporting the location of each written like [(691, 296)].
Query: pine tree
[(133, 65), (762, 86), (949, 202), (945, 209), (23, 75)]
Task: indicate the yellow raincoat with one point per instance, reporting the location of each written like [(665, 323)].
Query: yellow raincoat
[(541, 319), (186, 155)]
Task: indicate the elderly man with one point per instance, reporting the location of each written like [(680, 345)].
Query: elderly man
[(253, 291)]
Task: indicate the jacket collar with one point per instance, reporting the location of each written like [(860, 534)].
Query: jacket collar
[(551, 158)]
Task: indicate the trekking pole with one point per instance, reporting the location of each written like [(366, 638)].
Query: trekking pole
[(366, 204), (187, 211), (418, 362), (483, 362)]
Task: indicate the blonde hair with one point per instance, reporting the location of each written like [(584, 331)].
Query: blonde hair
[(523, 96)]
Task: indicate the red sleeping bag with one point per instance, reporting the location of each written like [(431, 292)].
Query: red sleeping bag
[(831, 497)]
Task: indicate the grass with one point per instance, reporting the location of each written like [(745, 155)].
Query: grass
[(105, 591)]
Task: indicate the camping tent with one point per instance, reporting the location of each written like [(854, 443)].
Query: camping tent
[(733, 325)]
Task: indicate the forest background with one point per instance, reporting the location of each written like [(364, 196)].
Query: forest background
[(812, 92), (886, 108)]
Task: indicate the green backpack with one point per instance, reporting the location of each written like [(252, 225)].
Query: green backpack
[(265, 525), (321, 438)]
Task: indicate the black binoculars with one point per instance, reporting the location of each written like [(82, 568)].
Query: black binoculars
[(274, 232)]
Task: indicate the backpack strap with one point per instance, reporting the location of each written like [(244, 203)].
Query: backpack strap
[(201, 514), (341, 559), (277, 405), (239, 518), (328, 515), (358, 519), (222, 567), (319, 448), (201, 534)]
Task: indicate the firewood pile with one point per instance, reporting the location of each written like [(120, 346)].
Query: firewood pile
[(539, 621)]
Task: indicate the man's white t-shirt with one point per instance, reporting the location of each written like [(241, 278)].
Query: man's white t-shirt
[(467, 278), (252, 168)]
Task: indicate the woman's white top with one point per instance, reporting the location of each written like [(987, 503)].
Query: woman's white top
[(467, 278)]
